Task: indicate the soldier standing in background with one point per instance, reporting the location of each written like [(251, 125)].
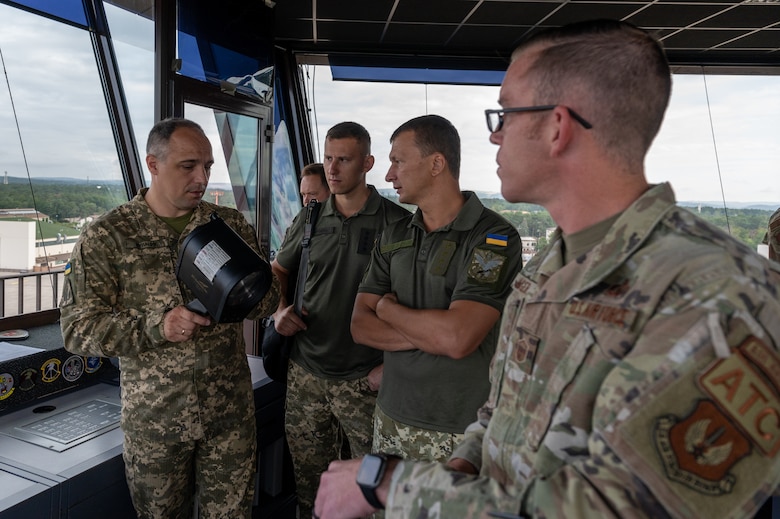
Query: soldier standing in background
[(332, 381), (187, 404)]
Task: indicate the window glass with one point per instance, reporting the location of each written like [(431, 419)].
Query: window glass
[(286, 200), (60, 166), (132, 36), (717, 142)]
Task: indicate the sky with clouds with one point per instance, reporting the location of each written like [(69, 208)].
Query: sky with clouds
[(719, 132), (730, 138)]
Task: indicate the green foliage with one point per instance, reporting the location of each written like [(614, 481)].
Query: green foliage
[(746, 225), (68, 199)]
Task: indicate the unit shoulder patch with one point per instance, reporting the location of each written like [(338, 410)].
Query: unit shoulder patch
[(485, 265), (700, 449)]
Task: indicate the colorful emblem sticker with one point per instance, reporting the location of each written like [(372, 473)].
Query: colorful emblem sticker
[(50, 371), (73, 368), (93, 364), (27, 379), (700, 449), (6, 385)]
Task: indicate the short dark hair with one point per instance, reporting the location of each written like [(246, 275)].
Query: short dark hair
[(160, 135), (434, 134), (316, 168), (615, 74), (353, 130)]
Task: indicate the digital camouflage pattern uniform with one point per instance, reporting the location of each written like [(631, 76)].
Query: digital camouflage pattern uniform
[(177, 398), (426, 401), (639, 380), (772, 236), (328, 396)]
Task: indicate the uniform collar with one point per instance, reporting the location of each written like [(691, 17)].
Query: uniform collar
[(466, 219), (372, 205), (627, 234)]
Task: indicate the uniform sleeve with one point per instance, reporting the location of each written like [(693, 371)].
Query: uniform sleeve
[(422, 489), (92, 322), (376, 279), (686, 425), (493, 261)]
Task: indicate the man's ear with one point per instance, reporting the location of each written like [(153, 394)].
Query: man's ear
[(438, 165), (561, 131), (368, 163), (151, 163)]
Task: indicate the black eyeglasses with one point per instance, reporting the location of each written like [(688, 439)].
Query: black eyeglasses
[(495, 118)]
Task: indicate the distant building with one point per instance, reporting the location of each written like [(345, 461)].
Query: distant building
[(7, 214), (530, 246)]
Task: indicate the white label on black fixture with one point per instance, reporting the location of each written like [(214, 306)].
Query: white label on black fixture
[(210, 259)]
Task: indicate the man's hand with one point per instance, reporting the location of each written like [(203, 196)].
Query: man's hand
[(384, 304), (461, 465), (181, 325), (287, 322), (340, 497), (375, 377)]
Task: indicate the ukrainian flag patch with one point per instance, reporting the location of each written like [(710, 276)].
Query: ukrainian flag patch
[(497, 239), (67, 269)]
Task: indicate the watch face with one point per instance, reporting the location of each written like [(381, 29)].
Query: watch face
[(368, 474)]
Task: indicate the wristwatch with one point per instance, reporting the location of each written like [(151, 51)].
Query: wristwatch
[(369, 476)]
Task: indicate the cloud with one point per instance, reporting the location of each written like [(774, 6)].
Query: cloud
[(745, 150), (718, 132)]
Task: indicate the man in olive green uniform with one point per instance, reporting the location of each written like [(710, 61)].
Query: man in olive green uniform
[(332, 380), (187, 405), (637, 370), (314, 183), (432, 297)]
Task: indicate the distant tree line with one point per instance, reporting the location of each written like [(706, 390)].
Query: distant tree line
[(69, 200), (61, 201), (746, 225)]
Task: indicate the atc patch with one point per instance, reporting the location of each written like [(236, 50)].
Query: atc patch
[(485, 266), (699, 450), (745, 386)]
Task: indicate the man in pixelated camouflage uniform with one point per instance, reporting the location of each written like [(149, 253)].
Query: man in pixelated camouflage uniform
[(187, 404), (432, 297), (636, 373), (332, 381)]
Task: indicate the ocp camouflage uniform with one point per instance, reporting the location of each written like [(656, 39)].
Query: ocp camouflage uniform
[(328, 397), (772, 236), (639, 380), (186, 407)]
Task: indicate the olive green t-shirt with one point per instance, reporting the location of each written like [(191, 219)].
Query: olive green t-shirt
[(340, 251), (475, 258)]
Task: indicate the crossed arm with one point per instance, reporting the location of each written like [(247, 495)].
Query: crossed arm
[(383, 323)]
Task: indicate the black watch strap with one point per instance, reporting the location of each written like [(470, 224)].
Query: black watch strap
[(371, 497), (369, 482)]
